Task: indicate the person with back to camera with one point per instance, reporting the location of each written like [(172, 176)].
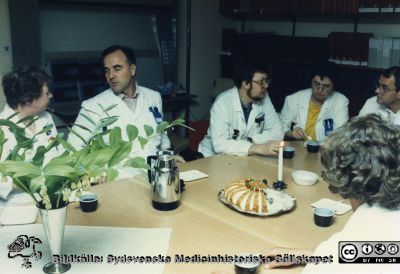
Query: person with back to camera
[(361, 162), (243, 120), (27, 94), (315, 112)]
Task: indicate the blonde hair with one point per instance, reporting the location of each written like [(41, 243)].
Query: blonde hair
[(362, 161)]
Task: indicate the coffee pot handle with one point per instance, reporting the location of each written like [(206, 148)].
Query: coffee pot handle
[(149, 161)]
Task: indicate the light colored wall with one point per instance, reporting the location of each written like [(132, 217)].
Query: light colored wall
[(5, 45), (84, 31), (207, 25)]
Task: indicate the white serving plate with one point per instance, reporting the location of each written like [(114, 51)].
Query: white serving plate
[(277, 202)]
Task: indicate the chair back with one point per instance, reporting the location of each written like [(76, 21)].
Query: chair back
[(195, 137)]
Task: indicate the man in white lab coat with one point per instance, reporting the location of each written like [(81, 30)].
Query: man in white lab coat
[(27, 94), (243, 120), (134, 104), (315, 112), (386, 103)]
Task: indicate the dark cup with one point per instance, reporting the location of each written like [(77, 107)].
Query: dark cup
[(323, 216), (288, 152), (244, 270), (244, 265), (313, 146), (88, 202)]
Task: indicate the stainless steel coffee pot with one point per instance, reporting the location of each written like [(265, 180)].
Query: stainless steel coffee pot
[(164, 179)]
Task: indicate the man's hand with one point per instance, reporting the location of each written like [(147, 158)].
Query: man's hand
[(271, 148), (179, 159), (273, 252), (297, 133)]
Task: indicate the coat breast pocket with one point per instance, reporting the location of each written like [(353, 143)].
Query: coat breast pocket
[(259, 122)]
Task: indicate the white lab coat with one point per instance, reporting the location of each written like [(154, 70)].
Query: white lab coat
[(295, 110), (227, 115), (367, 223), (142, 116), (372, 106), (44, 119)]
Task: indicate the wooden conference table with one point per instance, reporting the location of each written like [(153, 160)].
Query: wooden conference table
[(203, 225)]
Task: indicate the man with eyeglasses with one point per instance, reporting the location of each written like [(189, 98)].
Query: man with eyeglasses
[(243, 120), (386, 103), (313, 113)]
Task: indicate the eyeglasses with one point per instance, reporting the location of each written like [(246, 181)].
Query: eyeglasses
[(384, 88), (262, 82), (323, 87)]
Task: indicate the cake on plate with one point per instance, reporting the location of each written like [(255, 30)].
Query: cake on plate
[(255, 197), (247, 194)]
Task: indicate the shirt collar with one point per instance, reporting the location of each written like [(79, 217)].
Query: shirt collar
[(124, 97), (9, 111), (391, 112)]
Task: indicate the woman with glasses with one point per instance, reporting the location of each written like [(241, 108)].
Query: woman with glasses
[(243, 120), (313, 113), (386, 103)]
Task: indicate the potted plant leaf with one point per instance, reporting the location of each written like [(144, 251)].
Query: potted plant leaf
[(50, 183)]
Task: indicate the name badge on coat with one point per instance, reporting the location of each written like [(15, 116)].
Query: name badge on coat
[(156, 114), (49, 129), (328, 126)]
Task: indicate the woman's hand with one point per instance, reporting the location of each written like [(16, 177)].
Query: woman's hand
[(297, 133)]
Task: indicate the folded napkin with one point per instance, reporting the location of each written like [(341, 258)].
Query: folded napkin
[(17, 198), (337, 206), (18, 215), (192, 175)]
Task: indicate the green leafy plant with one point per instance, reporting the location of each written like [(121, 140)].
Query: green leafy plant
[(51, 184)]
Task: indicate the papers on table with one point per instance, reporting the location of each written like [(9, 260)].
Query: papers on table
[(19, 208), (108, 243), (337, 206), (192, 175), (16, 199), (18, 215)]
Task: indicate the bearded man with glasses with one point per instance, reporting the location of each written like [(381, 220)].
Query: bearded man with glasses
[(386, 103), (313, 113), (243, 120)]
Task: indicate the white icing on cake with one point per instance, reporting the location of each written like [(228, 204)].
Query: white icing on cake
[(254, 196)]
